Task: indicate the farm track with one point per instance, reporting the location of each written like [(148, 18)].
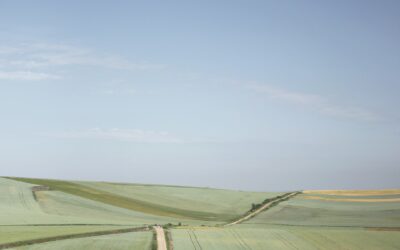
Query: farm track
[(262, 208), (161, 242), (71, 236)]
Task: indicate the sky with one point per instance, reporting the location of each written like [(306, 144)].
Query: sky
[(249, 95)]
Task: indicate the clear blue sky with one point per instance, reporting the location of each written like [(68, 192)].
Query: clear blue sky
[(258, 95)]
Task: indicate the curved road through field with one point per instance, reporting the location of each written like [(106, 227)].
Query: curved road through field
[(262, 208), (161, 243)]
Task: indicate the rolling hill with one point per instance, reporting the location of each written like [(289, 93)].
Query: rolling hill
[(59, 214)]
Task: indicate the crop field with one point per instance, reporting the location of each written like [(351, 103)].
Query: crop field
[(199, 203), (286, 238), (18, 233), (20, 207), (339, 210), (183, 204), (311, 220), (92, 212), (383, 192), (137, 240)]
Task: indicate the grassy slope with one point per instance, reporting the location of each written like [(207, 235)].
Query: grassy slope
[(303, 211), (93, 212), (176, 202), (24, 218), (318, 226), (202, 203), (18, 207), (284, 238), (104, 197), (56, 202), (85, 201), (19, 233), (137, 240)]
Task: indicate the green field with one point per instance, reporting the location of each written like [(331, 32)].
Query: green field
[(311, 220), (78, 207), (304, 211), (19, 207), (196, 203), (180, 203), (137, 240), (18, 233), (275, 237)]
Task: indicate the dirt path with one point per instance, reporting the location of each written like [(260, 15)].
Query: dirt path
[(161, 243), (260, 209)]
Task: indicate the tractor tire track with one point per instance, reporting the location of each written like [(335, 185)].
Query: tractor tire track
[(197, 240)]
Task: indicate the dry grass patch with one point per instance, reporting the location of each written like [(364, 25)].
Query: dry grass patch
[(354, 192), (383, 228), (350, 200)]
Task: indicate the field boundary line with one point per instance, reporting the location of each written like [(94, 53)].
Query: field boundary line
[(262, 208), (71, 236)]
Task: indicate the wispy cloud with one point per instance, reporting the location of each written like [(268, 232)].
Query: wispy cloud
[(115, 91), (32, 57), (349, 112), (131, 135), (282, 94), (315, 102), (26, 75), (117, 87), (4, 50)]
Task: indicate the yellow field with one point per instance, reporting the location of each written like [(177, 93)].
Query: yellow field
[(350, 200), (354, 192)]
